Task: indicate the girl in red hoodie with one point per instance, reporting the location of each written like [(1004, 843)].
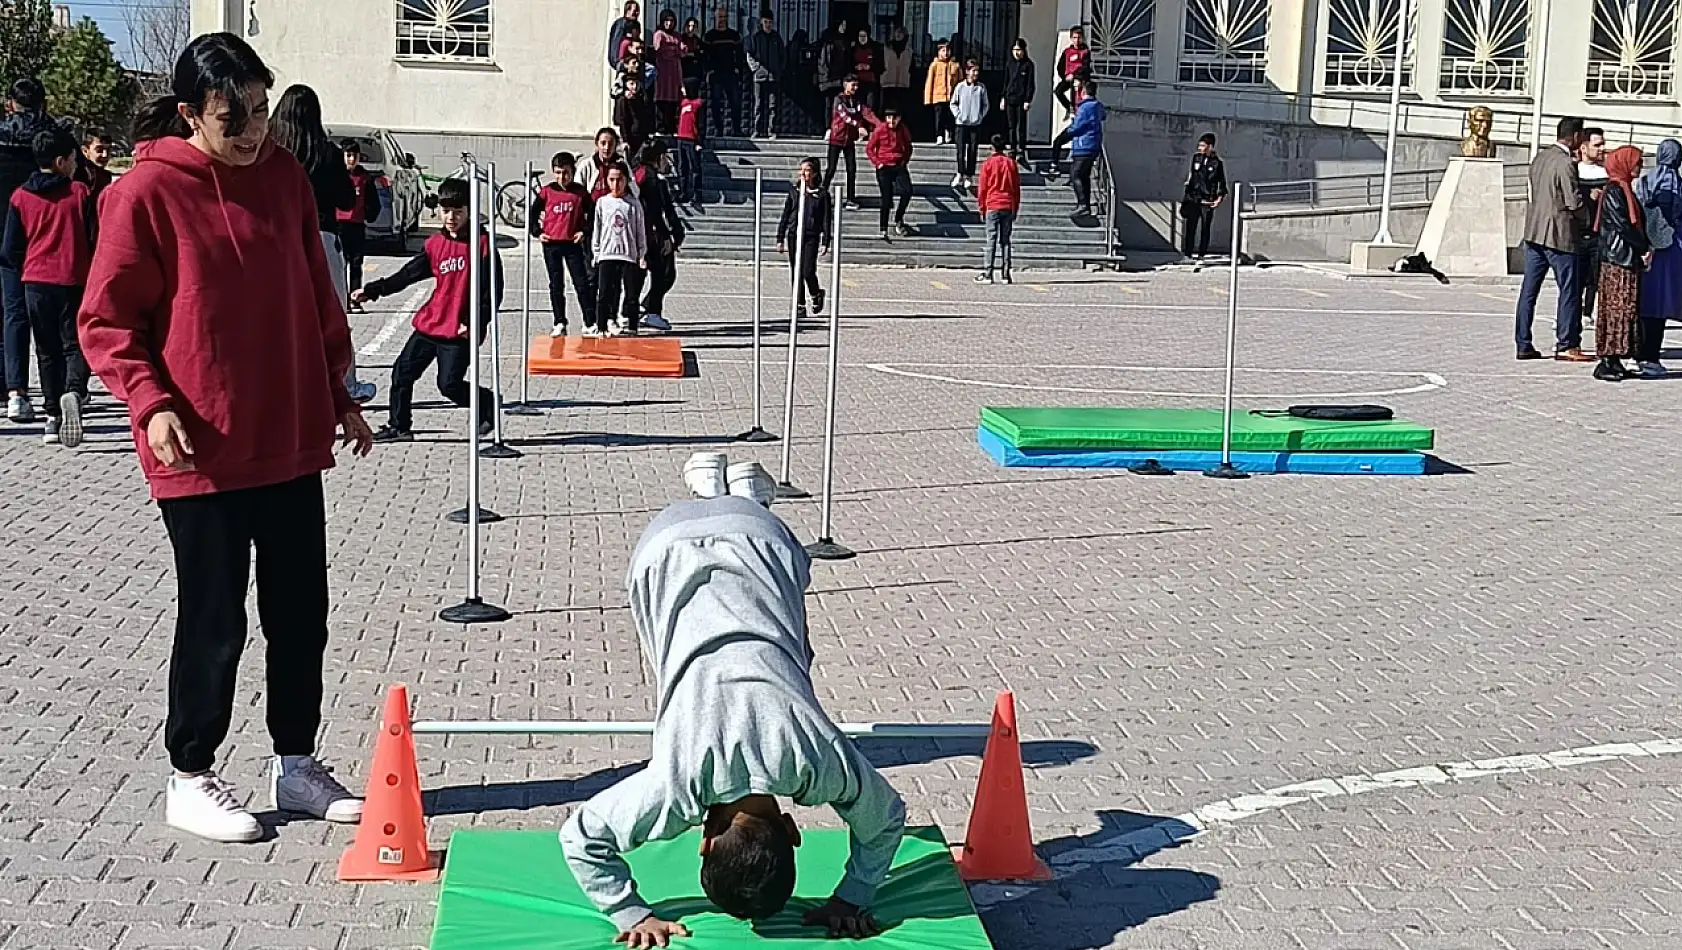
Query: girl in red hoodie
[(211, 313)]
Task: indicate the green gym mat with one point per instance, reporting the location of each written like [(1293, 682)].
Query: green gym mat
[(511, 890), (1193, 429)]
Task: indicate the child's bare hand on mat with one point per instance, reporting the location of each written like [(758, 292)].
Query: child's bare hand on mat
[(842, 919), (651, 932)]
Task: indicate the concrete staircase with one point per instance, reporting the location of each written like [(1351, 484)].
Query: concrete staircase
[(949, 230)]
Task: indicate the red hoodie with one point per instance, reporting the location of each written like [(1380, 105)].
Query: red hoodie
[(888, 145), (1000, 188), (210, 295)]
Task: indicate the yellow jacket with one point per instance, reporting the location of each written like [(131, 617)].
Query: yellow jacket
[(943, 78)]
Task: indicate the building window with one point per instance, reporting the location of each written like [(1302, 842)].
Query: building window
[(1121, 34), (1225, 42), (1361, 46), (1486, 47), (446, 31), (1631, 49)]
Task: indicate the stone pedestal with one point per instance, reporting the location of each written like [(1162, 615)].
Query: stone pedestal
[(1371, 257), (1465, 232)]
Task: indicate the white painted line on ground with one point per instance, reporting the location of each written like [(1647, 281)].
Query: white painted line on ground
[(403, 315), (1429, 381), (1253, 309), (1317, 293), (1130, 290), (1135, 846), (939, 286), (1405, 296), (1496, 297)]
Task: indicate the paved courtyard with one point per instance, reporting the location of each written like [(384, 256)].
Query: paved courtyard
[(1424, 659)]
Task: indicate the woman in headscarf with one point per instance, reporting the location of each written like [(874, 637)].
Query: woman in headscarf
[(1660, 191), (1624, 253), (668, 71)]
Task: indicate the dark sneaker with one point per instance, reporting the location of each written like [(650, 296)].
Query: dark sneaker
[(817, 301), (1530, 355), (388, 434), (984, 278), (49, 434), (850, 205), (902, 230), (487, 429)]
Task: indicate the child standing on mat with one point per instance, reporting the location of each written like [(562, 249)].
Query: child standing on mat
[(441, 329), (621, 246), (562, 220), (717, 591), (803, 260), (48, 238)]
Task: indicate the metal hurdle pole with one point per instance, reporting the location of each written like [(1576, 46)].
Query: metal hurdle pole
[(524, 406), (757, 433), (786, 488), (825, 548), (473, 609), (1226, 469), (872, 730), (497, 449)]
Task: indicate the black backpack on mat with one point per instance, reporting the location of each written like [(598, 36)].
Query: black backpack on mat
[(1358, 413)]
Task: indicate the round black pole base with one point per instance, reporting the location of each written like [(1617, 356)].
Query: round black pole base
[(825, 549), (788, 490), (500, 450), (1150, 467), (521, 409), (1226, 470), (473, 610), (486, 516), (756, 434)]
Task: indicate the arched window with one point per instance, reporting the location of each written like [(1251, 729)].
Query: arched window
[(1632, 48)]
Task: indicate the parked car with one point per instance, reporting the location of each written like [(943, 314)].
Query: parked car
[(396, 175)]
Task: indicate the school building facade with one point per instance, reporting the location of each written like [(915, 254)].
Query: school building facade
[(471, 74)]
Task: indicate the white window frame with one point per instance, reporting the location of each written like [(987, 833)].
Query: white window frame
[(436, 31)]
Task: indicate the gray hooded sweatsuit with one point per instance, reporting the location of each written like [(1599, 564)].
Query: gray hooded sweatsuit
[(718, 597)]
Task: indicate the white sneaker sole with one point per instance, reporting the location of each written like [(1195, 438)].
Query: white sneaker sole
[(70, 420), (228, 836)]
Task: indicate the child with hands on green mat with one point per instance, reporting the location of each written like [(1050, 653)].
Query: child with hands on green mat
[(718, 598)]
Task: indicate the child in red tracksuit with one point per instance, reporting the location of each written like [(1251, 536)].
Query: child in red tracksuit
[(690, 116), (441, 329), (562, 219), (849, 121), (889, 149), (48, 237)]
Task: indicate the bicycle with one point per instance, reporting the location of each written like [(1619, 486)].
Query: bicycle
[(511, 199)]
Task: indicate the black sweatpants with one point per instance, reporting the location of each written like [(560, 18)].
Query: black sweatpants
[(52, 319), (806, 272), (969, 149), (1080, 176), (1198, 217), (618, 283), (1016, 129), (353, 240), (835, 152), (892, 179), (213, 537), (1649, 347), (662, 274), (454, 360), (565, 259)]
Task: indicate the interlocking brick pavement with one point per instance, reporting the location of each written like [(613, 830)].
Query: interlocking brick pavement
[(1172, 642)]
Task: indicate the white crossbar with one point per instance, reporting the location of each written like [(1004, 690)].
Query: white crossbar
[(564, 727)]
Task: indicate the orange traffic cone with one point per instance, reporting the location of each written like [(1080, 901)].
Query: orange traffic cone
[(999, 845), (391, 841)]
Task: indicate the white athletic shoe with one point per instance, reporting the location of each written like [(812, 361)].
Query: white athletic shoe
[(19, 409), (299, 783), (957, 181), (704, 474), (206, 806), (70, 420), (654, 321), (558, 330), (751, 480)]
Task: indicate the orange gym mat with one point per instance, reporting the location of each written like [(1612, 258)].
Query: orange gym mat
[(606, 356)]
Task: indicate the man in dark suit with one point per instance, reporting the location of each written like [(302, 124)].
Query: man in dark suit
[(1556, 217)]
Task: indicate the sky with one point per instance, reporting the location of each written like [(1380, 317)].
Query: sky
[(109, 15)]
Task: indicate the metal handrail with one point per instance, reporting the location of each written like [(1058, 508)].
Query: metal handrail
[(1106, 189), (1347, 192)]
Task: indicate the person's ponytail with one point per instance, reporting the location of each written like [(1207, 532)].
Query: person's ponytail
[(160, 119)]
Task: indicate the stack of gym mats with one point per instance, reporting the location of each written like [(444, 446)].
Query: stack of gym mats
[(1190, 440)]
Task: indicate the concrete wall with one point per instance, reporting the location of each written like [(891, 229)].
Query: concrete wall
[(1325, 236)]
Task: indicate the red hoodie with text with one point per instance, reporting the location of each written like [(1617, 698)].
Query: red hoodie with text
[(210, 296)]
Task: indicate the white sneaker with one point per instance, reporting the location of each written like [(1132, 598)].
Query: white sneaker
[(558, 330), (591, 332), (298, 783), (751, 480), (957, 181), (19, 409), (206, 806), (704, 474), (70, 420), (654, 321)]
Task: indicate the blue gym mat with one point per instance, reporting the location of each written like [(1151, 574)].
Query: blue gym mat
[(1294, 463)]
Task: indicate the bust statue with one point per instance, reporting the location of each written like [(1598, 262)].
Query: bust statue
[(1479, 121)]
